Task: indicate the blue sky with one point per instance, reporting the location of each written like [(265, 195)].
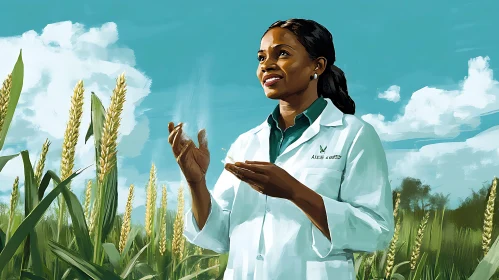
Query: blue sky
[(420, 72)]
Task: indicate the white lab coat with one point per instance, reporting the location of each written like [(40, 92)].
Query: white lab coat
[(340, 157)]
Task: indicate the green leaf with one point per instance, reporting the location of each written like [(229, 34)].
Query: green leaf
[(5, 159), (397, 266), (111, 180), (196, 258), (113, 255), (145, 270), (129, 267), (194, 275), (131, 237), (111, 199), (419, 267), (489, 264), (397, 276), (3, 237), (97, 123), (72, 258), (28, 275), (15, 92), (25, 274), (31, 221), (80, 228), (31, 248)]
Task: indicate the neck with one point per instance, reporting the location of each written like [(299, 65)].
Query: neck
[(293, 106)]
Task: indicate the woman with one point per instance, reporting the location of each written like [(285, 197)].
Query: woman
[(310, 185)]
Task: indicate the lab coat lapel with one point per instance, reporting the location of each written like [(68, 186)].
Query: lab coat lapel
[(263, 136), (310, 132), (331, 116)]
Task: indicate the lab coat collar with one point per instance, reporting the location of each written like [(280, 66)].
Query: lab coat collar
[(330, 116)]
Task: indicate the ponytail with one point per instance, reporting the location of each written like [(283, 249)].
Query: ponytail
[(332, 84)]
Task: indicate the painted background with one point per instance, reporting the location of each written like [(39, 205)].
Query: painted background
[(422, 72)]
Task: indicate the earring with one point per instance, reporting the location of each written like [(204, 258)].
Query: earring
[(314, 77)]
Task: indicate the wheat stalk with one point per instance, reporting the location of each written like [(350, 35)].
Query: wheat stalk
[(198, 251), (5, 99), (88, 199), (391, 251), (390, 259), (418, 242), (162, 242), (108, 146), (69, 145), (178, 226), (125, 227), (150, 201), (40, 165), (14, 199), (397, 203), (489, 218)]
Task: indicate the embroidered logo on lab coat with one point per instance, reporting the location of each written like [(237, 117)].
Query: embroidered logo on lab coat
[(322, 151)]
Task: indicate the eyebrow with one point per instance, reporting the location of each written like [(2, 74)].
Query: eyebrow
[(276, 46)]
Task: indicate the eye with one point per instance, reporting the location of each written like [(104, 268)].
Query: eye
[(260, 58), (282, 52)]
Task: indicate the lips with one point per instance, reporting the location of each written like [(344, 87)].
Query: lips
[(271, 79)]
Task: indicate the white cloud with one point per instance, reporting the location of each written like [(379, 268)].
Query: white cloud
[(452, 168), (54, 61), (391, 94), (439, 113)]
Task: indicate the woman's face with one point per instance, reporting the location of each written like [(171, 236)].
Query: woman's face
[(284, 65)]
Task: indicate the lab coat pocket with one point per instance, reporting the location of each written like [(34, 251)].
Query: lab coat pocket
[(323, 180)]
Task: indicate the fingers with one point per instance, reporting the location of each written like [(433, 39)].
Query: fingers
[(258, 162), (258, 168), (203, 141), (245, 174), (173, 130)]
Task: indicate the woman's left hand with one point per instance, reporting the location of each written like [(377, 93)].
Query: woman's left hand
[(266, 178)]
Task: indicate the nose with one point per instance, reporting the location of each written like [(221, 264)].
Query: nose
[(267, 65)]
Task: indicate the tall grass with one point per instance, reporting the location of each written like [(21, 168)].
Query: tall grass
[(100, 244)]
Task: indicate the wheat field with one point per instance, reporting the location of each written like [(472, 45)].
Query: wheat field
[(50, 233)]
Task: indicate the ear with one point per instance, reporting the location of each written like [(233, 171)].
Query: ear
[(320, 65)]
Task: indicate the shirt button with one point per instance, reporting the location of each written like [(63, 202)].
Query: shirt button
[(259, 257)]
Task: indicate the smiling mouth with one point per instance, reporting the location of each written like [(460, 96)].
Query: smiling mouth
[(271, 81)]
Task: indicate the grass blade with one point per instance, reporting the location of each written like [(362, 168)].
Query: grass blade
[(80, 228), (489, 264), (5, 159), (15, 92), (111, 182), (132, 263), (31, 201), (111, 199), (3, 237), (31, 221), (92, 270), (28, 275), (194, 275), (113, 255)]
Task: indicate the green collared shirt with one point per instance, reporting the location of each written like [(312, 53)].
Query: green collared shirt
[(279, 139)]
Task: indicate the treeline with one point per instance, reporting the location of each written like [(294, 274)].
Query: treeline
[(416, 196)]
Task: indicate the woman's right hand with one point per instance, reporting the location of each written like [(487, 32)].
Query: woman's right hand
[(193, 161)]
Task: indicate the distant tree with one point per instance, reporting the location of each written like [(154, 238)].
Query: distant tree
[(414, 194), (438, 201)]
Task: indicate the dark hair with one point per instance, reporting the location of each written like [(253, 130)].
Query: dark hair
[(318, 42)]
